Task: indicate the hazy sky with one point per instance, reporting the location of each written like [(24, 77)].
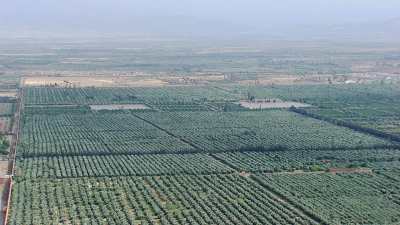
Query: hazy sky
[(190, 16)]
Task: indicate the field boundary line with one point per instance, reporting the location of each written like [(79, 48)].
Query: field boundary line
[(168, 132), (224, 162), (295, 205), (233, 171), (200, 151), (13, 151), (133, 175)]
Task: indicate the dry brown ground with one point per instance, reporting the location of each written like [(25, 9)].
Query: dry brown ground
[(271, 104), (12, 94), (119, 81), (147, 80), (4, 124), (350, 170), (92, 81), (118, 107), (3, 167)]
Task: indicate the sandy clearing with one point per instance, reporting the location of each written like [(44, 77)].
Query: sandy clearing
[(92, 81), (271, 104), (11, 94), (118, 107)]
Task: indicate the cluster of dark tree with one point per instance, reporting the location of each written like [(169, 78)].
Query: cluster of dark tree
[(56, 110), (120, 98), (4, 144), (231, 107)]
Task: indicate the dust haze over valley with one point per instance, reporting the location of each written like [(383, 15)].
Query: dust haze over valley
[(259, 19), (199, 112)]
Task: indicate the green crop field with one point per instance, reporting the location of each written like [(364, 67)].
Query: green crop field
[(219, 199), (120, 165), (371, 106), (311, 160), (158, 96), (342, 199), (188, 151), (91, 134), (197, 157), (271, 129)]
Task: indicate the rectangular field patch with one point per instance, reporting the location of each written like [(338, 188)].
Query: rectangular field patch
[(271, 104), (119, 107)]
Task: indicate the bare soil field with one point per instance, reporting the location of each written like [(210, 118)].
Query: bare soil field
[(271, 104), (94, 81), (3, 167), (291, 80), (281, 80), (198, 78), (83, 60), (5, 124), (118, 107), (360, 78), (350, 170), (119, 81), (12, 94)]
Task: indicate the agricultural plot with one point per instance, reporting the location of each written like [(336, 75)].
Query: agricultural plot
[(311, 94), (343, 198), (172, 106), (78, 96), (371, 106), (124, 133), (56, 110), (385, 165), (8, 93), (196, 157), (326, 96), (119, 107), (3, 172), (5, 142), (82, 96), (381, 118), (215, 199), (120, 165), (313, 160), (270, 104), (271, 130), (90, 81), (7, 109), (5, 124), (198, 106), (92, 134)]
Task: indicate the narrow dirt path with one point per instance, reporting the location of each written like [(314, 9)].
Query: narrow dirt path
[(169, 133), (15, 132), (279, 196)]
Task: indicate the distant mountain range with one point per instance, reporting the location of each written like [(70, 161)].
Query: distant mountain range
[(187, 27)]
